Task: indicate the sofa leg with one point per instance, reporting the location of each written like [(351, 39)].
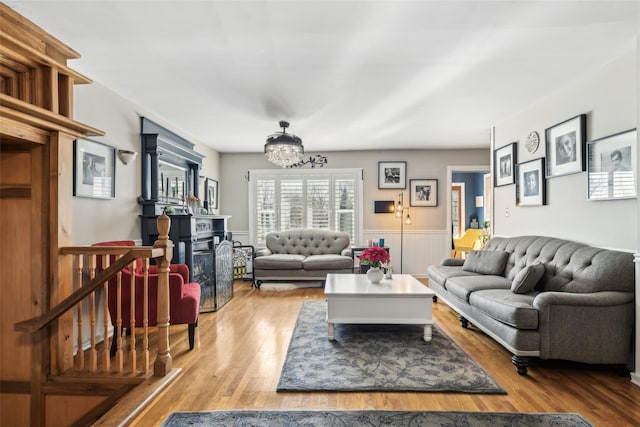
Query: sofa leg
[(192, 334), (258, 283), (463, 322), (521, 364), (435, 299), (114, 343)]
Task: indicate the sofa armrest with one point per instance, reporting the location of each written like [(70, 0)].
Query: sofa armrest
[(181, 269), (544, 300), (263, 252), (452, 262), (590, 327), (346, 252)]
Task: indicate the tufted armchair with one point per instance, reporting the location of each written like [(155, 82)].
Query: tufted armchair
[(184, 297)]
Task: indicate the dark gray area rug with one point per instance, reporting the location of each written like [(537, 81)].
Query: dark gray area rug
[(372, 419), (376, 358)]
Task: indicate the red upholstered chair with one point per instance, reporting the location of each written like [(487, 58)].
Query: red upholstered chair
[(184, 297)]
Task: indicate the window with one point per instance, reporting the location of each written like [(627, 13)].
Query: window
[(328, 199)]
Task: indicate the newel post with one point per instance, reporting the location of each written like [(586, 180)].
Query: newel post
[(162, 365)]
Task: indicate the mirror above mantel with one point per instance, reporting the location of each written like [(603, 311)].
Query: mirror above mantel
[(172, 183), (170, 169)]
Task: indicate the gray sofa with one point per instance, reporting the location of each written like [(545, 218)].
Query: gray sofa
[(303, 254), (544, 297)]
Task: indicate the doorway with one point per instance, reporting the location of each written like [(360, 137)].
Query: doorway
[(457, 214), (457, 209)]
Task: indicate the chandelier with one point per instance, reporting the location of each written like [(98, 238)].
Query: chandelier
[(282, 148)]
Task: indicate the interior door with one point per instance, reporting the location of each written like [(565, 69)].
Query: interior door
[(456, 210)]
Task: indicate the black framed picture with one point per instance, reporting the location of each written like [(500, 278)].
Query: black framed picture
[(94, 170), (392, 175), (565, 143), (504, 161), (423, 192), (611, 172), (531, 183), (211, 195)]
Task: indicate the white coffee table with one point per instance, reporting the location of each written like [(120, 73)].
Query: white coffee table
[(351, 298)]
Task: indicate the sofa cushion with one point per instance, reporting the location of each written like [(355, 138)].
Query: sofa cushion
[(327, 262), (463, 286), (503, 305), (441, 273), (527, 279), (279, 262), (486, 262)]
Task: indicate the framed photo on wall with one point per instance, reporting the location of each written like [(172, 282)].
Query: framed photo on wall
[(392, 175), (94, 169), (211, 196), (565, 143), (612, 168), (531, 183), (423, 192), (504, 161)]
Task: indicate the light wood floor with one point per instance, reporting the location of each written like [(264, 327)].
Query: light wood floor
[(243, 346)]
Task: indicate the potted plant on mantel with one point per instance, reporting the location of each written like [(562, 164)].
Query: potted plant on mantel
[(374, 257)]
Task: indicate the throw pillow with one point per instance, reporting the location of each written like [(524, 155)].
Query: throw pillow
[(527, 279), (486, 262)]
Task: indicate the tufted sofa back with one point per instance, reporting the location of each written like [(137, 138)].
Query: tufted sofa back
[(307, 242), (569, 266)]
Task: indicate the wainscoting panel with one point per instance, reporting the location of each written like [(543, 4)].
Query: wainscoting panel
[(420, 248)]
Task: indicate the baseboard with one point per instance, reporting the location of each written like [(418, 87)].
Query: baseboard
[(635, 378)]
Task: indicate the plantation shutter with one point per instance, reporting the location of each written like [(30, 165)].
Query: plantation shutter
[(318, 198), (345, 206), (291, 204), (329, 199), (266, 206)]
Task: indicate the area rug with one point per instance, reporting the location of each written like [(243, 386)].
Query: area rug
[(372, 419), (280, 286), (376, 358)]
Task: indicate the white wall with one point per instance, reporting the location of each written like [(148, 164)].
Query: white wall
[(101, 220), (608, 96), (426, 240)]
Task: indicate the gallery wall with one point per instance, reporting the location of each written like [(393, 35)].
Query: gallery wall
[(608, 97)]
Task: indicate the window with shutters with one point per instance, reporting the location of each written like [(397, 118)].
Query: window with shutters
[(328, 199)]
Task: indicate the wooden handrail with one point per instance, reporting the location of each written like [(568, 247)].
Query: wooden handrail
[(130, 254)]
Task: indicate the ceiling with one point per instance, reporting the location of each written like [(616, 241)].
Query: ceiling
[(347, 75)]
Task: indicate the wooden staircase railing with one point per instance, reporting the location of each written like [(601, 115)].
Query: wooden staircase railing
[(93, 365)]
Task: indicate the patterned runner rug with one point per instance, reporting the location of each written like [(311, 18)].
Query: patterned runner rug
[(376, 358), (371, 419)]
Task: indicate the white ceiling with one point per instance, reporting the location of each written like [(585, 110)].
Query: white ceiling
[(348, 75)]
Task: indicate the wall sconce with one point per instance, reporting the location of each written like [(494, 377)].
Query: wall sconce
[(126, 156), (384, 206), (400, 210), (479, 202)]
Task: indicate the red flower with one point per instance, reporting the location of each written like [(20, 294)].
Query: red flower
[(374, 256)]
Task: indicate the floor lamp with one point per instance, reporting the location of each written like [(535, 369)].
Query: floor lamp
[(400, 210)]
